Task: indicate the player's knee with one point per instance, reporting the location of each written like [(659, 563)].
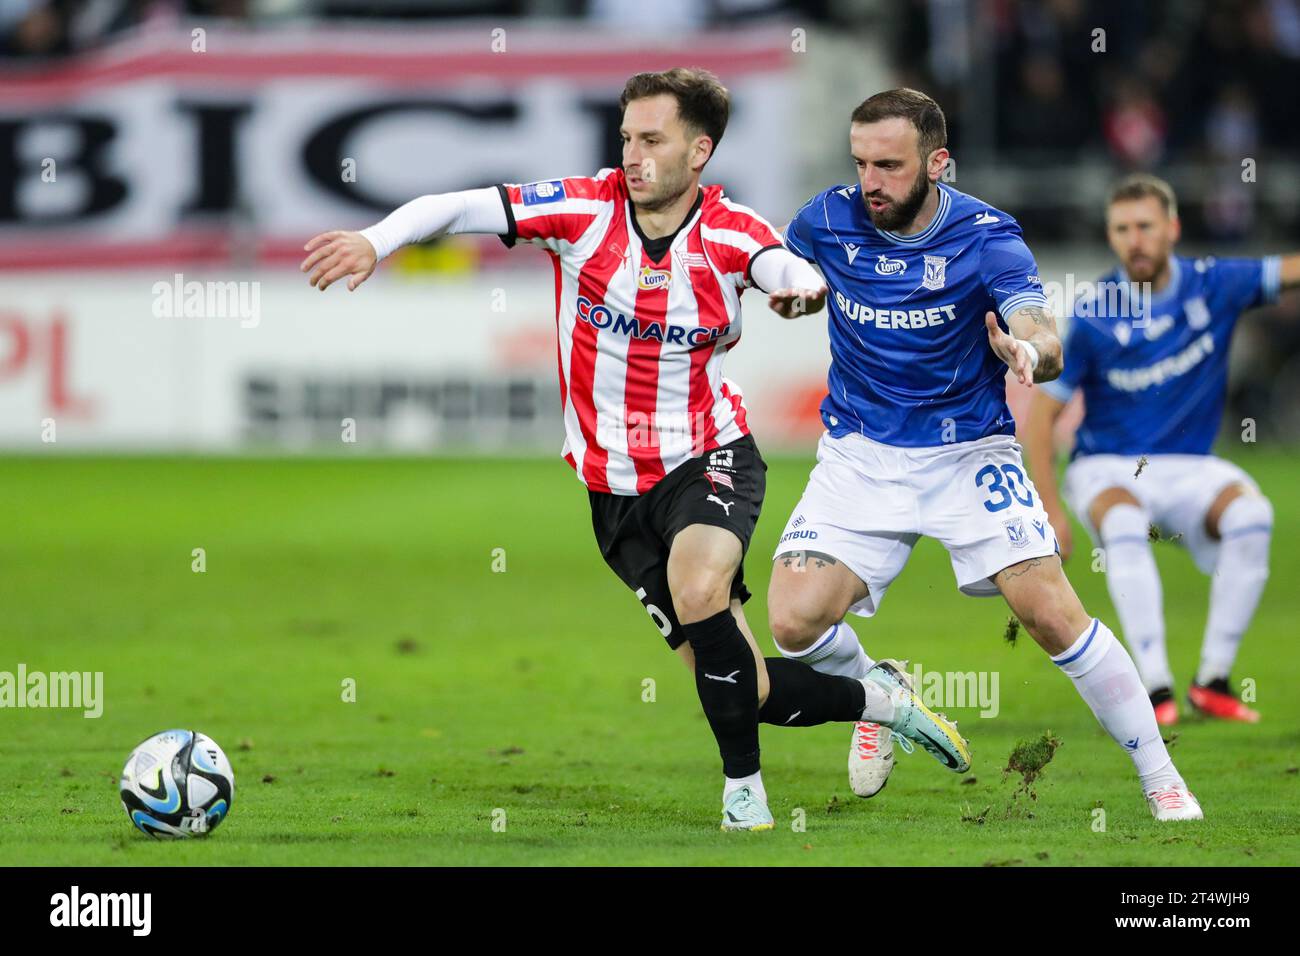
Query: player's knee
[(1124, 524), (1253, 513), (1245, 530), (700, 596), (1053, 624), (796, 626)]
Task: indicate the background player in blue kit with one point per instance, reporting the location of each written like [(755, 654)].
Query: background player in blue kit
[(925, 283), (1154, 372)]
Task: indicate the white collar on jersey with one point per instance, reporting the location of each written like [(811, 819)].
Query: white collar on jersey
[(945, 202)]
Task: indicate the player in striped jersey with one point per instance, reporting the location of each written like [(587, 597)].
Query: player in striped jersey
[(649, 269)]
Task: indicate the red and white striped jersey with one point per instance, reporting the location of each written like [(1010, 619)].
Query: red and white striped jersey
[(640, 341)]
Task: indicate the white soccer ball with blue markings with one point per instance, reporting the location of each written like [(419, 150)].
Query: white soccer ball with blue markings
[(177, 784)]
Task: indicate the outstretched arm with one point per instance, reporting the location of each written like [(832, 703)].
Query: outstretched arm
[(794, 287), (338, 253), (1030, 325)]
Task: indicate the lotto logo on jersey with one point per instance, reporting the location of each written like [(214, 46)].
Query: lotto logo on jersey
[(652, 279), (886, 266), (537, 193)]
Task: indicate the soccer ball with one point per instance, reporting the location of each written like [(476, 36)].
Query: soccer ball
[(177, 784)]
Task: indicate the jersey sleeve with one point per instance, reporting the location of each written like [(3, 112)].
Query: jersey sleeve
[(552, 213), (1244, 283), (798, 235), (1076, 353), (1009, 272), (735, 236)]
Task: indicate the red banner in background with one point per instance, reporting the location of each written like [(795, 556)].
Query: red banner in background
[(155, 152)]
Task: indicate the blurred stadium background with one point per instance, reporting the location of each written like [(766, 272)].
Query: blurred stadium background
[(146, 145)]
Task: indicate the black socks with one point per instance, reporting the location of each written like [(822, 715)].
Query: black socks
[(799, 696), (726, 678)]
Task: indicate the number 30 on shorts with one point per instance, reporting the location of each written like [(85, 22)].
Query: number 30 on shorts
[(1001, 495)]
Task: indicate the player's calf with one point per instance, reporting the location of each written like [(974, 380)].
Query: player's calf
[(1243, 523), (702, 563), (1134, 585), (1103, 674)]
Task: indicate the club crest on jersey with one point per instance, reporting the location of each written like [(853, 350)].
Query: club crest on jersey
[(693, 260), (1197, 312), (934, 277), (886, 266), (652, 279), (1158, 327), (716, 478), (1016, 532), (535, 194)]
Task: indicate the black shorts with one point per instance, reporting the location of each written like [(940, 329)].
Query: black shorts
[(723, 487)]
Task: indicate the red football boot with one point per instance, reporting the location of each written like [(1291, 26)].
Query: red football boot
[(1216, 700), (1166, 708)]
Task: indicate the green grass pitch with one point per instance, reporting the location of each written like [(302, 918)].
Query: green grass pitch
[(517, 696)]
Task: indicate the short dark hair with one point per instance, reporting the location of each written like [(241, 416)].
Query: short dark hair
[(703, 103), (912, 105), (1144, 186)]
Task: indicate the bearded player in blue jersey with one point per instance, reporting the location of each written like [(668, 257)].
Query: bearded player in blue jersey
[(933, 295), (1153, 370)]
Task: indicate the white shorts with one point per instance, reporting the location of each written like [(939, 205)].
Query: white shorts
[(1174, 490), (866, 504)]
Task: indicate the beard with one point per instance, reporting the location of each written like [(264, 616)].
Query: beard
[(1146, 268), (900, 213), (667, 189)]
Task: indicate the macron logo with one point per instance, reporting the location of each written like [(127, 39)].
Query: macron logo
[(852, 251), (984, 218), (104, 909)]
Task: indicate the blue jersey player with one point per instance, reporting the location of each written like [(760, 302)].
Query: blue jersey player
[(1148, 347), (933, 295)]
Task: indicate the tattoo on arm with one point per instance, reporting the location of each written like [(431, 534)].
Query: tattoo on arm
[(1040, 316), (1044, 338)]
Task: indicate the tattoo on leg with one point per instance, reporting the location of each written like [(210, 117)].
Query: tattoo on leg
[(1017, 570), (799, 560)]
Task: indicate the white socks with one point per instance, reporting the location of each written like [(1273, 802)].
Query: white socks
[(837, 651), (879, 707), (1245, 530), (754, 781), (1134, 585), (1105, 677)]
